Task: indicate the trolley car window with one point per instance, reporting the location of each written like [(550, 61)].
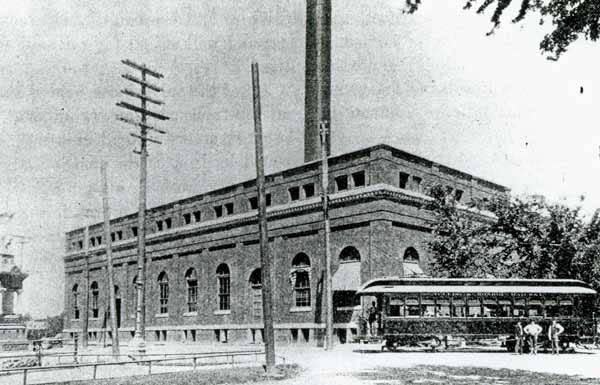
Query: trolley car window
[(535, 308), (519, 308), (474, 307), (443, 308), (396, 307), (458, 307), (427, 307)]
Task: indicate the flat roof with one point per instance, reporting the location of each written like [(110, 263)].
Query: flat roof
[(475, 285), (517, 289)]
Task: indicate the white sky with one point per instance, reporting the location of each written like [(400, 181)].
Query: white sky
[(430, 83)]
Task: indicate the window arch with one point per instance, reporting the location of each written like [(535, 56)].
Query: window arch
[(75, 294), (349, 254), (163, 296), (134, 295), (191, 281), (256, 279), (224, 281), (411, 255), (300, 277), (256, 294), (95, 295)]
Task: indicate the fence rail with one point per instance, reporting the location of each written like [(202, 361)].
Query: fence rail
[(192, 358)]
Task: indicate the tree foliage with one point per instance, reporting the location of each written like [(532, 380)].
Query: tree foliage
[(513, 237), (571, 19)]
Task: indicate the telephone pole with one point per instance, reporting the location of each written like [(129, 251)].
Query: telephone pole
[(86, 288), (267, 296), (111, 283), (140, 316), (324, 131)]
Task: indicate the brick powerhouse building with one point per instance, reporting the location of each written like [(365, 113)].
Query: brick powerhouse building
[(203, 282), (203, 277)]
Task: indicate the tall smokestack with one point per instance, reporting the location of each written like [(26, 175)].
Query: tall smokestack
[(317, 92)]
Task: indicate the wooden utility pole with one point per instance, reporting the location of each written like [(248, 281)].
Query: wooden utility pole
[(109, 264), (140, 316), (324, 131), (267, 296), (86, 288)]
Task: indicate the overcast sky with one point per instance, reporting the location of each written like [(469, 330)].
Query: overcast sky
[(431, 83)]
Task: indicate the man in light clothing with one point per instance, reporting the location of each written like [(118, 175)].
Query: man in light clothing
[(532, 330), (554, 331)]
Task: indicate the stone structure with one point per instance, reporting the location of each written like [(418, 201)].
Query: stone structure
[(11, 286), (203, 277)]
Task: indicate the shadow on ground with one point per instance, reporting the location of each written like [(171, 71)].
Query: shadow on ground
[(448, 375)]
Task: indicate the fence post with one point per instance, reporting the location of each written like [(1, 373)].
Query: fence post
[(194, 363), (149, 367), (24, 376), (75, 343), (95, 369), (39, 354)]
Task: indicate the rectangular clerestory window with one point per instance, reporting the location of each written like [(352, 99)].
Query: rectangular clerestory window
[(197, 216), (309, 190), (168, 223), (416, 181), (218, 211), (294, 193), (458, 195), (358, 178), (253, 203), (229, 208), (134, 231), (403, 180), (159, 225), (341, 182), (187, 218)]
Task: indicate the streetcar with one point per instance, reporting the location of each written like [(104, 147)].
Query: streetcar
[(444, 312)]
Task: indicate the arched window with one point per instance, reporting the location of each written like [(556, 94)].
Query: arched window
[(350, 254), (75, 294), (411, 255), (256, 294), (163, 295), (256, 279), (134, 295), (300, 277), (191, 281), (224, 283), (95, 294)]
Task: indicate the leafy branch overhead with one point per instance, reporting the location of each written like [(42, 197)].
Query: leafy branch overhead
[(524, 238), (571, 19)]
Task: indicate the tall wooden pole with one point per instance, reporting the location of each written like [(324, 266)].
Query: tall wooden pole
[(324, 131), (140, 314), (269, 335), (86, 288), (109, 264)]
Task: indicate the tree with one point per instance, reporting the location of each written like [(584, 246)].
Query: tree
[(571, 19), (513, 237)]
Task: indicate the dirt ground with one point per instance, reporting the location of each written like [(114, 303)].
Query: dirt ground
[(346, 365)]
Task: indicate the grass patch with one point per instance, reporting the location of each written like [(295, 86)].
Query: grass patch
[(449, 375), (200, 377)]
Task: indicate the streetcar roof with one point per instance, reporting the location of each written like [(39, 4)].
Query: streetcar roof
[(474, 285)]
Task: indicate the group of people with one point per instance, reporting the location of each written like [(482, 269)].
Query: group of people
[(532, 332)]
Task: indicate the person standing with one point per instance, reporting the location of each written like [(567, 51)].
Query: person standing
[(372, 314), (519, 338), (554, 331), (532, 330)]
